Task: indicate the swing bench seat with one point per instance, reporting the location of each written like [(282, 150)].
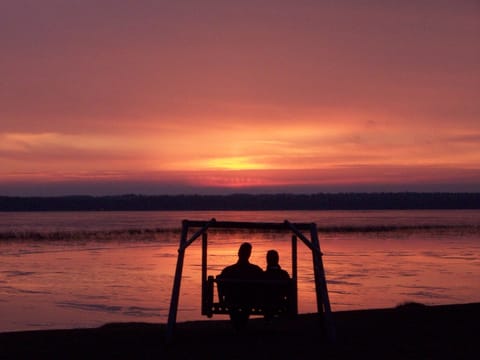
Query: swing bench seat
[(264, 297)]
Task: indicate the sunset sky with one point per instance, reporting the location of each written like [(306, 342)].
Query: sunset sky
[(187, 96)]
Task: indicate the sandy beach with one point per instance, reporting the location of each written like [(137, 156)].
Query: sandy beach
[(411, 331)]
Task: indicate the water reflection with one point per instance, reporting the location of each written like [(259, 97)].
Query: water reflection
[(88, 283)]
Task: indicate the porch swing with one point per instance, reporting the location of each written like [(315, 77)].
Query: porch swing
[(259, 302)]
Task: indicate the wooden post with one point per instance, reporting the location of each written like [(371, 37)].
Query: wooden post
[(204, 273), (321, 284), (184, 243), (172, 315), (294, 272), (316, 272)]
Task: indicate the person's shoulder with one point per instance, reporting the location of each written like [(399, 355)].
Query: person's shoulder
[(230, 267), (257, 268), (228, 270), (277, 274)]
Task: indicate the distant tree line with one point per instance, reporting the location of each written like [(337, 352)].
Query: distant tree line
[(319, 201)]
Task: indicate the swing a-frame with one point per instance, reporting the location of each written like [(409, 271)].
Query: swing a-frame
[(289, 303)]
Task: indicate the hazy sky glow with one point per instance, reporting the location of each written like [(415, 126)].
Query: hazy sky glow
[(115, 96)]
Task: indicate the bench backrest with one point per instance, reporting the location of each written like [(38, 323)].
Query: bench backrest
[(253, 292)]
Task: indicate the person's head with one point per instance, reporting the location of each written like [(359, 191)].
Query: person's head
[(272, 258), (244, 251)]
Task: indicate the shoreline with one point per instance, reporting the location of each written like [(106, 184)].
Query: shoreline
[(410, 331), (246, 202)]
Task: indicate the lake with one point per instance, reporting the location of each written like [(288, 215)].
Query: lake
[(85, 269)]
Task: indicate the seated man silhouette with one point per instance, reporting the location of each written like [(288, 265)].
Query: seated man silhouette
[(238, 293), (277, 291)]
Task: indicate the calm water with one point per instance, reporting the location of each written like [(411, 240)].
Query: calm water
[(83, 269)]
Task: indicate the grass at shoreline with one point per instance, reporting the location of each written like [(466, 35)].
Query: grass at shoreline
[(407, 332)]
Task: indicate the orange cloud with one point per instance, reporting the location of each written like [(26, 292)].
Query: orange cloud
[(240, 95)]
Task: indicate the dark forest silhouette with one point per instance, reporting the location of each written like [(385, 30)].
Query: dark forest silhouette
[(319, 201)]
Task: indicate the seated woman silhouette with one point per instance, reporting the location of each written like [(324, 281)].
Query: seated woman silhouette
[(274, 271), (237, 294), (278, 288)]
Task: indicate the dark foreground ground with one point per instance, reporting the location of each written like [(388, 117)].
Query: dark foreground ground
[(407, 332)]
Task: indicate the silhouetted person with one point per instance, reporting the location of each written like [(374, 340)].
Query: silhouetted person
[(243, 268), (240, 293), (274, 271), (277, 291)]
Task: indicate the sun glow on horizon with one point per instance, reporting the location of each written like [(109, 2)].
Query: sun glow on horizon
[(234, 163)]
